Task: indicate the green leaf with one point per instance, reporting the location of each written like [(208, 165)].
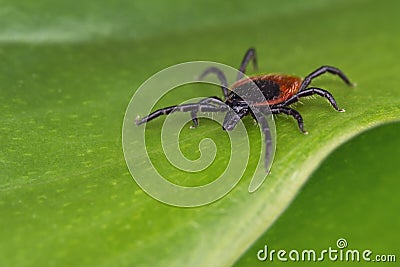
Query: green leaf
[(67, 73), (353, 195)]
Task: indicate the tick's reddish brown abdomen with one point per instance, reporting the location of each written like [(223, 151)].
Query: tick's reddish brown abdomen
[(276, 88)]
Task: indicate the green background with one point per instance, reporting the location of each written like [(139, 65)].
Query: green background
[(68, 70)]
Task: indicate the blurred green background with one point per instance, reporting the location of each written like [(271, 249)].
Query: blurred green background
[(68, 70)]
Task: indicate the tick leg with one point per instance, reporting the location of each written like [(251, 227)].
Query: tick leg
[(324, 69), (291, 112), (221, 76), (194, 119), (267, 137), (250, 55), (231, 120), (233, 116), (208, 100), (212, 99), (313, 91), (181, 108)]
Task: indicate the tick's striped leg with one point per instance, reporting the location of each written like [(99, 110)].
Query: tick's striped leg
[(221, 76), (197, 107), (250, 55), (194, 119), (320, 71), (231, 120), (267, 137), (291, 112), (313, 91), (209, 100)]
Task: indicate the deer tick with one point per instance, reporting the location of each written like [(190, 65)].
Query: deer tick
[(279, 91)]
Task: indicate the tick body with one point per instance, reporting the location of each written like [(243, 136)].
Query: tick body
[(276, 88), (242, 98)]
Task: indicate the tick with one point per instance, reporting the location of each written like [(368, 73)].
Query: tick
[(279, 91)]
